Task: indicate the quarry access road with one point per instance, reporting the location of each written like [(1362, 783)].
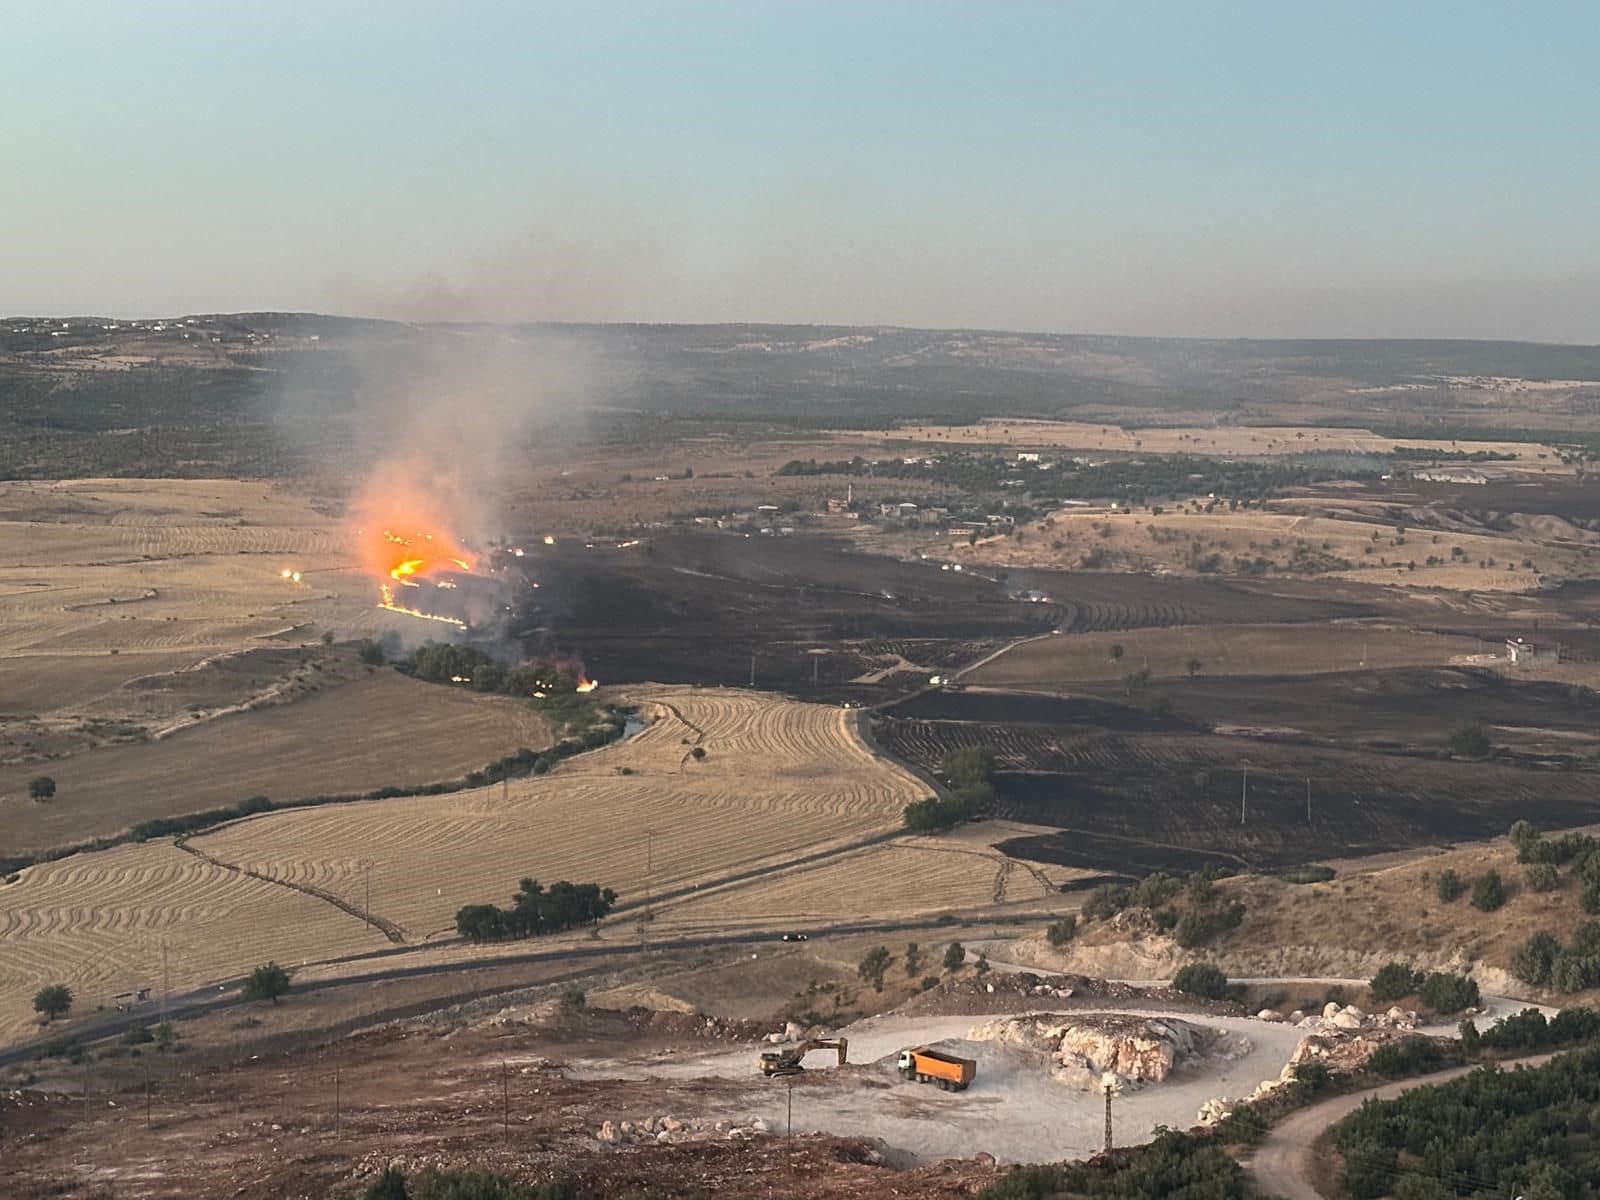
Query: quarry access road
[(1281, 1164)]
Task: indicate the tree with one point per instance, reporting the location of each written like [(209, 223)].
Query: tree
[(1393, 981), (1447, 993), (1542, 877), (1531, 962), (41, 788), (1488, 892), (391, 1185), (1201, 979), (1193, 667), (370, 652), (53, 1001), (266, 982), (1063, 931), (982, 965), (872, 967), (955, 955), (1470, 740), (1117, 651), (913, 959), (1450, 885)]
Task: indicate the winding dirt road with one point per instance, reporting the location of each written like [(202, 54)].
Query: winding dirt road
[(1279, 1166)]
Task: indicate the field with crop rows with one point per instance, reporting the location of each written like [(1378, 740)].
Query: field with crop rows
[(96, 922), (778, 779)]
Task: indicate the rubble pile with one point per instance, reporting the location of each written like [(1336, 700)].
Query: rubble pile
[(670, 1131), (1341, 1037)]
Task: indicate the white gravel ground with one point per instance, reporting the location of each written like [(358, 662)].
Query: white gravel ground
[(1013, 1110)]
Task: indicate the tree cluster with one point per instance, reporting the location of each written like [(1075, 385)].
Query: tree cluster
[(1579, 852), (1177, 1165), (536, 910), (1544, 962), (969, 772), (1528, 1133)]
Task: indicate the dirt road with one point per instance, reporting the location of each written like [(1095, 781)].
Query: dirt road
[(1278, 1167)]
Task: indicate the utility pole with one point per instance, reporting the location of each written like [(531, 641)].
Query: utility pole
[(366, 871), (1244, 791), (336, 1099), (752, 670), (1308, 799), (163, 981), (1109, 1088), (505, 1101), (788, 1125)]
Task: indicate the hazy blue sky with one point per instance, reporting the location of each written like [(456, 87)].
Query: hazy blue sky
[(1264, 169)]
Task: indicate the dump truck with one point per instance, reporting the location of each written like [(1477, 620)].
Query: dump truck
[(789, 1060), (931, 1066)]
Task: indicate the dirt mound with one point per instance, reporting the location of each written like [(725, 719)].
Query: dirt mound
[(1004, 992)]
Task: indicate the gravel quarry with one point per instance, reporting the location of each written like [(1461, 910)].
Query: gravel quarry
[(1014, 1110)]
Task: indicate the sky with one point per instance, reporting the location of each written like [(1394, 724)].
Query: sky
[(1276, 169)]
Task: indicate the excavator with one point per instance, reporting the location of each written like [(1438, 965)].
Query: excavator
[(788, 1060)]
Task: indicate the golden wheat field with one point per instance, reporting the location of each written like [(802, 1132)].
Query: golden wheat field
[(1243, 440), (907, 877), (96, 922), (778, 779)]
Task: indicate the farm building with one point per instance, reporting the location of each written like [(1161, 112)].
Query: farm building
[(1525, 652)]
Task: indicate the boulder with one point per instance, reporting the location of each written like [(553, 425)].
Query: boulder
[(758, 1126), (1297, 1016), (608, 1132), (1269, 1014), (1330, 1010), (671, 1124), (1349, 1019)]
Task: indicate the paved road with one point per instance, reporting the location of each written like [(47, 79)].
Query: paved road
[(214, 996), (1278, 1167)]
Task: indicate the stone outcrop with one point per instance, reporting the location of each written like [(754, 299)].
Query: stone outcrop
[(1136, 1050)]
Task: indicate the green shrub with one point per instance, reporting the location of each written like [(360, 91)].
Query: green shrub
[(1542, 877), (1106, 901), (1201, 979), (1488, 892), (1446, 993), (1061, 932), (1394, 981), (1450, 885)]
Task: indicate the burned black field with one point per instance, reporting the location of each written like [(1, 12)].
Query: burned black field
[(1159, 785), (1136, 780)]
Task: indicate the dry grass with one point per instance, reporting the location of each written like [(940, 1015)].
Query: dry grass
[(1222, 650), (959, 871), (96, 922), (1174, 541), (377, 731), (1237, 441), (778, 779)]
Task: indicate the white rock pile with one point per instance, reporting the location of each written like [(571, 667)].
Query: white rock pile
[(670, 1131)]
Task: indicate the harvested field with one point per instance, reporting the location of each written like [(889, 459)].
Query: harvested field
[(1064, 662), (909, 876), (1249, 441), (1294, 539), (376, 731), (96, 922), (779, 780)]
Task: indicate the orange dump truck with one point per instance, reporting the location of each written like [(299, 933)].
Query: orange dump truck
[(930, 1066)]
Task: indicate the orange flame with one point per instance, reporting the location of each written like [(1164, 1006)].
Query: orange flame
[(401, 538), (587, 685)]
